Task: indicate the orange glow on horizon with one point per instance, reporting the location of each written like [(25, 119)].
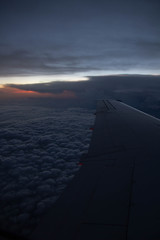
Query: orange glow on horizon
[(16, 90), (9, 92), (23, 91)]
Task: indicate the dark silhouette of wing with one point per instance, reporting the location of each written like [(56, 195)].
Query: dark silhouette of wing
[(116, 193)]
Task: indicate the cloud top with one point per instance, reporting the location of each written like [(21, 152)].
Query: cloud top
[(40, 151)]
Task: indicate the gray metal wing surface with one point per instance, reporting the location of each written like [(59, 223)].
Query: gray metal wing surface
[(116, 193)]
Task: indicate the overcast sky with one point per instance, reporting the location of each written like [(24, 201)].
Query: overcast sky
[(56, 40)]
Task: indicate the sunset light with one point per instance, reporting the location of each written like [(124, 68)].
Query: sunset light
[(10, 92), (24, 91), (41, 79)]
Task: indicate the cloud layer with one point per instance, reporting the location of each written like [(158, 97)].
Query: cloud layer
[(135, 56), (142, 92), (40, 151), (55, 38)]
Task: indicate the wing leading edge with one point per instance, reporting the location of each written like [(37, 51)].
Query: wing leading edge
[(115, 195)]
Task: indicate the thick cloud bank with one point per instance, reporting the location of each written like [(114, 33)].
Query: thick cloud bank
[(140, 91), (40, 151)]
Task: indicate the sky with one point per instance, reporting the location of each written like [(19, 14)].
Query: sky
[(43, 41)]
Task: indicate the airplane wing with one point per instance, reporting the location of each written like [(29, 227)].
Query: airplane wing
[(116, 193)]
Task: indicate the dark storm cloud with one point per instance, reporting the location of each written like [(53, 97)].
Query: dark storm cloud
[(60, 37), (118, 82), (140, 91), (40, 149)]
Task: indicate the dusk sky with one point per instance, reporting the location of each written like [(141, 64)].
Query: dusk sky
[(43, 41), (57, 57)]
